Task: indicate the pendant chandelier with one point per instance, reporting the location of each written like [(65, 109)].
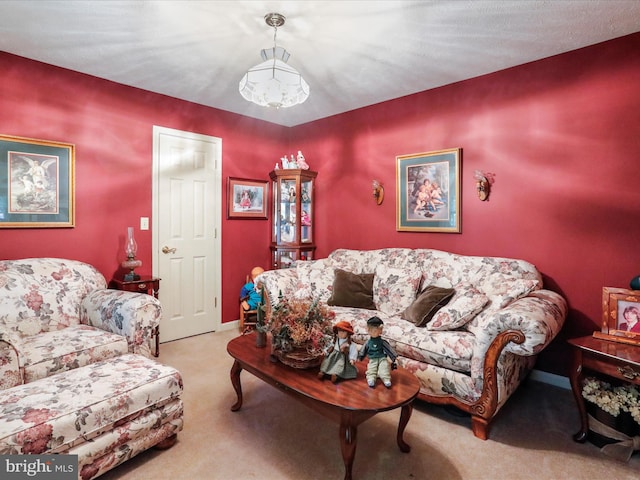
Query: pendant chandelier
[(273, 83)]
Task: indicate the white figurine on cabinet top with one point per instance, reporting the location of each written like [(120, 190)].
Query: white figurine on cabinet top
[(302, 163), (294, 162)]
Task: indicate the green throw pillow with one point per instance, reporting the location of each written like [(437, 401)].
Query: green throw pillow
[(352, 290), (425, 306)]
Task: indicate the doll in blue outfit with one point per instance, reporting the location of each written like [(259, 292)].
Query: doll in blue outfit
[(382, 356), (249, 295)]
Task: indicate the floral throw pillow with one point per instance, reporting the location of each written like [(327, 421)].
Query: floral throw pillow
[(321, 281), (464, 305), (503, 293), (394, 289)]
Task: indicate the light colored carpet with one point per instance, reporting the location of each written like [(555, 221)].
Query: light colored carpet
[(274, 437)]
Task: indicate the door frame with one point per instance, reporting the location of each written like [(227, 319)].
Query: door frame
[(217, 215)]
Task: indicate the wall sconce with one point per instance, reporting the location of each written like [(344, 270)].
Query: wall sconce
[(484, 180), (378, 191)]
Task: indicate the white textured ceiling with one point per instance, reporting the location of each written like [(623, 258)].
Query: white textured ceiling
[(352, 53)]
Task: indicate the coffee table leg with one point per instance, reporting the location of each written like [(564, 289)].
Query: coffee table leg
[(404, 419), (348, 439), (235, 381)]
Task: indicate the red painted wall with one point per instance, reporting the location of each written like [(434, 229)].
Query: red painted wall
[(562, 137), (111, 126)]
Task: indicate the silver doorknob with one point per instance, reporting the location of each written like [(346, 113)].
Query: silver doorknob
[(166, 249)]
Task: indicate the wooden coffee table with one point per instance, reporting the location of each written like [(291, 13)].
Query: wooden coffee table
[(348, 403)]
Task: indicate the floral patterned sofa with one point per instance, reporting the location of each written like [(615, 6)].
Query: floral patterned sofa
[(470, 351), (75, 369)]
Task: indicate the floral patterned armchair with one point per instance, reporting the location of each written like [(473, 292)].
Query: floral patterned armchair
[(57, 315)]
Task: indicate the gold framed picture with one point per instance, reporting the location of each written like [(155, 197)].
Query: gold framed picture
[(428, 191)]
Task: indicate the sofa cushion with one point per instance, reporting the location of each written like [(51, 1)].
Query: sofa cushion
[(315, 280), (303, 274), (429, 301), (350, 260), (365, 261), (72, 347), (352, 290), (451, 349), (58, 412), (394, 289), (464, 305)]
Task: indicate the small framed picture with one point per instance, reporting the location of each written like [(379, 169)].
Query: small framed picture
[(429, 191), (620, 315), (247, 199), (37, 183)]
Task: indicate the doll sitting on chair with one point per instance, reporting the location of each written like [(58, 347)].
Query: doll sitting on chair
[(341, 355), (249, 294)]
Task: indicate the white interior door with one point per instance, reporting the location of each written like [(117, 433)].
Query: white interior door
[(186, 226)]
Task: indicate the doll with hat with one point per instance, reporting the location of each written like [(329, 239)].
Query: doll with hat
[(382, 356), (339, 362)]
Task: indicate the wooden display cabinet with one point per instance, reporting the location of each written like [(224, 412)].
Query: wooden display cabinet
[(293, 216)]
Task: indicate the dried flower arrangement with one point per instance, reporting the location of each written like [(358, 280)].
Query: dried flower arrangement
[(296, 324), (613, 400)]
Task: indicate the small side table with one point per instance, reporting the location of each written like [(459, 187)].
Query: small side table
[(146, 284), (617, 360)]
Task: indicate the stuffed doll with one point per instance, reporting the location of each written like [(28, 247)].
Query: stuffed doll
[(249, 295), (381, 355), (341, 357)]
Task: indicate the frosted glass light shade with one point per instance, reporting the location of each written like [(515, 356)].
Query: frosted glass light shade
[(273, 83)]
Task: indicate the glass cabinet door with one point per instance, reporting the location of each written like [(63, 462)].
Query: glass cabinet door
[(306, 213), (288, 212)]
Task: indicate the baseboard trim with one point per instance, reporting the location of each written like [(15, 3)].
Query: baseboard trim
[(550, 378), (235, 324)]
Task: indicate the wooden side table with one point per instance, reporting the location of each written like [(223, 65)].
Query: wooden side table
[(145, 284), (617, 360)]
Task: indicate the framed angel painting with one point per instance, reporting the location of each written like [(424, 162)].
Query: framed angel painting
[(37, 183)]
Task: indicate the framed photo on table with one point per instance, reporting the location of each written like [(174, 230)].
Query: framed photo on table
[(428, 189), (37, 183), (247, 199), (620, 315)]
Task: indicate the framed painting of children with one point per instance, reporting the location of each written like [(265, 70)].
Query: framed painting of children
[(429, 191), (247, 199)]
